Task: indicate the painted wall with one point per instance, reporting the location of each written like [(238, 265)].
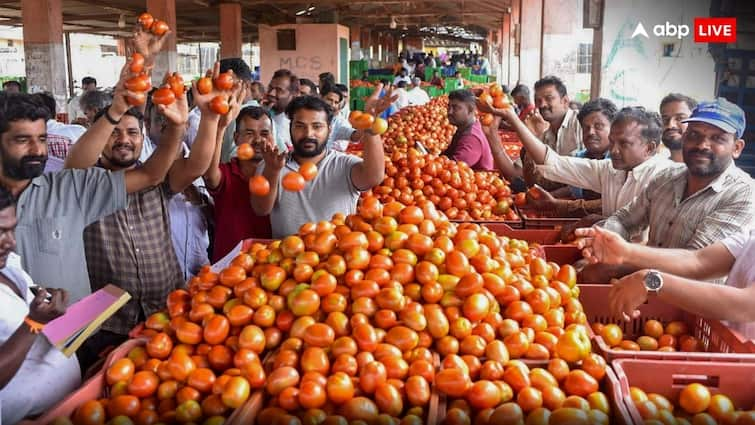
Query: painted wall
[(317, 50), (635, 72), (562, 35), (531, 30)]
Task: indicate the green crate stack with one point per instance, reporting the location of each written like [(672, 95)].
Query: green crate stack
[(357, 105), (429, 73), (492, 79), (360, 92), (450, 85), (465, 73), (356, 68), (433, 91), (479, 79)]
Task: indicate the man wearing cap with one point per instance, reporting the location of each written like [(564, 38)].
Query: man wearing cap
[(693, 207)]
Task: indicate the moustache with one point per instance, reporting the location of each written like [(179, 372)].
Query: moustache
[(705, 153), (672, 130), (123, 145), (593, 139), (33, 158), (309, 140), (545, 109)]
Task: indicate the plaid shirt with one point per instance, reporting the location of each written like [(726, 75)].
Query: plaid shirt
[(132, 249), (721, 209), (58, 146)]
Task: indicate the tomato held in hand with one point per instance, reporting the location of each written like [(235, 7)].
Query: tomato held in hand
[(176, 83), (159, 27), (163, 96), (137, 99), (245, 152), (380, 126), (308, 170), (204, 85), (146, 20), (486, 119), (500, 102), (219, 105), (137, 63), (259, 186), (140, 83), (293, 182), (224, 81)]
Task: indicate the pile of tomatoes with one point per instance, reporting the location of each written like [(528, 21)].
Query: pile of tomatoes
[(696, 404), (495, 390), (351, 314), (454, 188), (675, 336), (427, 124)]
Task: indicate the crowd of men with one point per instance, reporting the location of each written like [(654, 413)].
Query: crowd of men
[(143, 197)]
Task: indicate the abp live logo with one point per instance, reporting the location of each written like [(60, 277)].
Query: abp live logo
[(715, 30), (706, 30)]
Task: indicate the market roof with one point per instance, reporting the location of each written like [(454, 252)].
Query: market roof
[(198, 20)]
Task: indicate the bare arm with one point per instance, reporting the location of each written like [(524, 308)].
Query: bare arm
[(535, 148), (603, 246), (503, 162), (371, 171), (731, 303), (14, 350)]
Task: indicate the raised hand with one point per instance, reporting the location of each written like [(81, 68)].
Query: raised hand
[(376, 105), (602, 246), (177, 113), (203, 101), (274, 159), (508, 114), (540, 198), (536, 123), (148, 44), (121, 93), (43, 311), (238, 94)]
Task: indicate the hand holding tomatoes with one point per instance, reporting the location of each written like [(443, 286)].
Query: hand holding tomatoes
[(274, 159), (174, 109), (219, 96), (150, 36)]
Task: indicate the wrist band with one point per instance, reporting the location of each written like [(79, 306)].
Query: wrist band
[(34, 327), (110, 119)]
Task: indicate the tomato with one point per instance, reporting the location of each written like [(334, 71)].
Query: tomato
[(121, 370), (176, 83), (159, 27), (180, 365), (140, 83), (126, 405), (282, 378), (202, 379), (235, 392), (694, 398), (90, 413), (245, 152), (308, 170), (360, 408), (216, 329), (340, 388), (163, 96), (136, 98), (380, 126), (579, 382), (223, 81), (371, 375), (145, 20), (204, 85), (453, 382), (219, 105), (293, 182), (160, 346), (143, 384)]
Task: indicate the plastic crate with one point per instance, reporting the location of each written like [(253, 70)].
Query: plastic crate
[(562, 254), (668, 378), (514, 224), (545, 222), (608, 387), (720, 342), (543, 237)]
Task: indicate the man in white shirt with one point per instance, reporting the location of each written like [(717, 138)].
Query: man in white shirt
[(283, 88), (60, 136), (341, 131), (417, 96), (34, 375), (75, 113), (402, 76), (403, 96)]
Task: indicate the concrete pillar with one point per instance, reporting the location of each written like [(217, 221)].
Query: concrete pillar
[(531, 41), (355, 41), (231, 41), (167, 59), (43, 48), (516, 41), (505, 49)]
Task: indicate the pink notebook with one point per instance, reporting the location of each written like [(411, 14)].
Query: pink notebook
[(70, 330)]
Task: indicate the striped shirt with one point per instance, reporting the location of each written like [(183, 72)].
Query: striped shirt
[(133, 250), (723, 208)]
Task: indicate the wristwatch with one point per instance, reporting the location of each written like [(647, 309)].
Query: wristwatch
[(653, 281)]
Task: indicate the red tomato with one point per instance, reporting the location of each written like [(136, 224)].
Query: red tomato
[(159, 27), (137, 63), (146, 20), (219, 105), (204, 85), (163, 96), (224, 81)]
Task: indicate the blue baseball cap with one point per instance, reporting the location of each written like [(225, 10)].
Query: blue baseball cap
[(721, 113)]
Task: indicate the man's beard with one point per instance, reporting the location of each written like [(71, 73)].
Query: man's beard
[(22, 169), (123, 163), (715, 165), (673, 143), (299, 151)]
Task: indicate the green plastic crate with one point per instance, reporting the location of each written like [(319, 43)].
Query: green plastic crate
[(429, 73), (465, 73), (433, 91), (479, 79), (356, 68), (360, 92), (357, 105)]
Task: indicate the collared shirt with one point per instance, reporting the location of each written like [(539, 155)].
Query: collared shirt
[(133, 250), (721, 209), (60, 137), (188, 230), (330, 192), (471, 146), (235, 219), (403, 98), (568, 139), (742, 273), (578, 192), (417, 96), (340, 129), (52, 214), (617, 187), (73, 108), (46, 376)]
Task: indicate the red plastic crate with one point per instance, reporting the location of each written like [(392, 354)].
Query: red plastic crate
[(544, 222), (668, 378), (720, 342), (543, 237), (514, 224)]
